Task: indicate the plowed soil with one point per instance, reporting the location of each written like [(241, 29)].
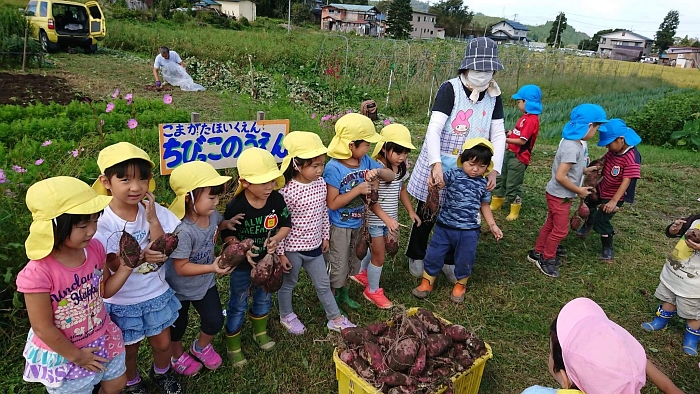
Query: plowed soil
[(25, 89)]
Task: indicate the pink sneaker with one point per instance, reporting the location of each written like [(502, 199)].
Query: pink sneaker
[(208, 356), (377, 298), (186, 365), (339, 324), (361, 278)]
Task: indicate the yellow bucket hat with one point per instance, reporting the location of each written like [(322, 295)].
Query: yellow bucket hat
[(301, 144), (51, 198), (470, 143), (257, 166), (189, 176), (396, 133), (351, 127), (115, 154)]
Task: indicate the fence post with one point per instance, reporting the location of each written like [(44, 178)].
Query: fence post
[(194, 117), (260, 115), (24, 53)]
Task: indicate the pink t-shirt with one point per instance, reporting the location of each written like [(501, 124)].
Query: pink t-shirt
[(75, 294)]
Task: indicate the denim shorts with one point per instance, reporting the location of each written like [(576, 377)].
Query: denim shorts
[(114, 369), (145, 319), (378, 231)]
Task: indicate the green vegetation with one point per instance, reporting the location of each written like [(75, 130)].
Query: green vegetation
[(657, 120)]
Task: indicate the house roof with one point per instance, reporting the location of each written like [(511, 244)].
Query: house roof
[(381, 17), (679, 49), (206, 3), (507, 36), (423, 13), (628, 31), (352, 7), (513, 24)]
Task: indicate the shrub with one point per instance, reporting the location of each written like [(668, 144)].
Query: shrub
[(244, 21), (12, 23), (659, 118)]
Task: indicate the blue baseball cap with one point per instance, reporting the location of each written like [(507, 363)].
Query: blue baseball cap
[(618, 128), (532, 95), (581, 116)]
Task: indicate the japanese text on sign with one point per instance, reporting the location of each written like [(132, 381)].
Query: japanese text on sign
[(219, 143)]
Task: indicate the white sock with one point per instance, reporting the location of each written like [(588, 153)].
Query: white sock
[(374, 273), (365, 262)]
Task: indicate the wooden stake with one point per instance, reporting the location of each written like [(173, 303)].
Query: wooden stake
[(24, 53), (194, 117), (261, 115)]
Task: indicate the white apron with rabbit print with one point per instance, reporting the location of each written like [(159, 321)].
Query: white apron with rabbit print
[(467, 120)]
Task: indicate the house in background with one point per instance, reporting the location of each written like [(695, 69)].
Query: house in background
[(423, 25), (381, 25), (682, 57), (361, 19), (238, 8), (624, 45), (508, 31), (440, 33)]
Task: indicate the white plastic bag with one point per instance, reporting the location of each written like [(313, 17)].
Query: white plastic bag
[(176, 75)]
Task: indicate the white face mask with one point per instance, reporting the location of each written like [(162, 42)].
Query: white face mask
[(479, 80)]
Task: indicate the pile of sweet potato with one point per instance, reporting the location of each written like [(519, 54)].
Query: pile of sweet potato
[(268, 273), (411, 354)]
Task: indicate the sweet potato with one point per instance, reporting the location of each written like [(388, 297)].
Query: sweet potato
[(372, 353), (432, 203), (357, 336), (362, 368), (274, 282), (385, 342), (166, 244), (457, 333), (436, 344), (391, 243), (363, 238), (413, 326), (347, 356), (396, 379), (429, 320), (464, 363), (476, 347), (373, 193), (129, 250), (377, 329), (403, 355), (419, 364), (262, 271), (401, 390), (693, 235), (234, 252), (583, 211)]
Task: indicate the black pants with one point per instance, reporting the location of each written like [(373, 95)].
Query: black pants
[(210, 315), (418, 241)]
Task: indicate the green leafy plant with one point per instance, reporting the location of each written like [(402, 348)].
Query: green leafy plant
[(689, 136), (659, 118)]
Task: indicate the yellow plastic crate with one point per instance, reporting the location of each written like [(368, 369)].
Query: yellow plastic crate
[(465, 382)]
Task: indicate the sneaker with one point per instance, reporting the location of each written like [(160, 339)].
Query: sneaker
[(548, 267), (167, 383), (561, 251), (138, 388), (208, 356), (292, 323), (533, 256), (339, 324), (186, 365), (361, 278), (377, 298)]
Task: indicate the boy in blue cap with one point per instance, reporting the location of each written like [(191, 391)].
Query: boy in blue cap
[(520, 142), (620, 172), (567, 172)]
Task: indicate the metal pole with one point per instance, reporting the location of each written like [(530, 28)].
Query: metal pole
[(289, 18)]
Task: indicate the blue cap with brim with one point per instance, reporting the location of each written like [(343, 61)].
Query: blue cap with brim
[(581, 117), (618, 128), (532, 95)]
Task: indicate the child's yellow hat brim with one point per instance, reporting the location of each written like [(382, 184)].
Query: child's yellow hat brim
[(190, 176), (51, 198), (472, 142), (115, 154), (257, 166), (396, 133), (301, 144), (351, 127)]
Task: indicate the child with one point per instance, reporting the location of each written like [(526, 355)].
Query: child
[(620, 169), (589, 353), (391, 152), (458, 224), (305, 195), (345, 176), (72, 345), (567, 173), (679, 287), (520, 143), (197, 187), (145, 307), (267, 222)]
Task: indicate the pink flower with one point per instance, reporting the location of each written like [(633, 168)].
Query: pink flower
[(75, 153), (334, 117), (313, 115), (325, 118), (3, 178), (132, 123), (387, 122), (19, 169), (102, 122), (110, 107), (349, 111), (168, 99), (129, 98), (46, 143), (115, 94), (38, 162)]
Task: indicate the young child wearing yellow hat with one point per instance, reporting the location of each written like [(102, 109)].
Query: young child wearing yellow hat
[(305, 194), (266, 220), (145, 307), (193, 269), (391, 152), (348, 175), (73, 345)]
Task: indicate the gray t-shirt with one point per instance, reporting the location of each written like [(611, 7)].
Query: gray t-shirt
[(196, 244), (569, 152)]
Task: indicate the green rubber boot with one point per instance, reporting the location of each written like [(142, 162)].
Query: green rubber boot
[(260, 332), (233, 350), (341, 296)]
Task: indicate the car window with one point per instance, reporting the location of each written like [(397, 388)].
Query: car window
[(31, 9), (95, 12), (42, 8)]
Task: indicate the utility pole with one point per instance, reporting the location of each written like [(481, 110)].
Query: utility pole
[(556, 36), (289, 18)]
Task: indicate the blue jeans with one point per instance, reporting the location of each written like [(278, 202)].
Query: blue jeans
[(238, 301), (445, 239)]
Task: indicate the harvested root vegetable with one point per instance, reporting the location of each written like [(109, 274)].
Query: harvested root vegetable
[(377, 329), (391, 243), (362, 368), (429, 320), (396, 379), (129, 250), (235, 253), (274, 282), (372, 353), (476, 346), (166, 244), (413, 326), (403, 355), (262, 271), (402, 390), (583, 210), (419, 364), (693, 235), (363, 239), (357, 336), (457, 333), (436, 344), (347, 356), (432, 203)]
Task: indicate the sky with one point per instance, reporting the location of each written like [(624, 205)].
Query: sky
[(590, 16)]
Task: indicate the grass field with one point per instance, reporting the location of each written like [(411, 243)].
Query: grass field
[(510, 304)]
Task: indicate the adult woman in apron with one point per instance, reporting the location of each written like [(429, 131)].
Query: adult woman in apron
[(467, 106)]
